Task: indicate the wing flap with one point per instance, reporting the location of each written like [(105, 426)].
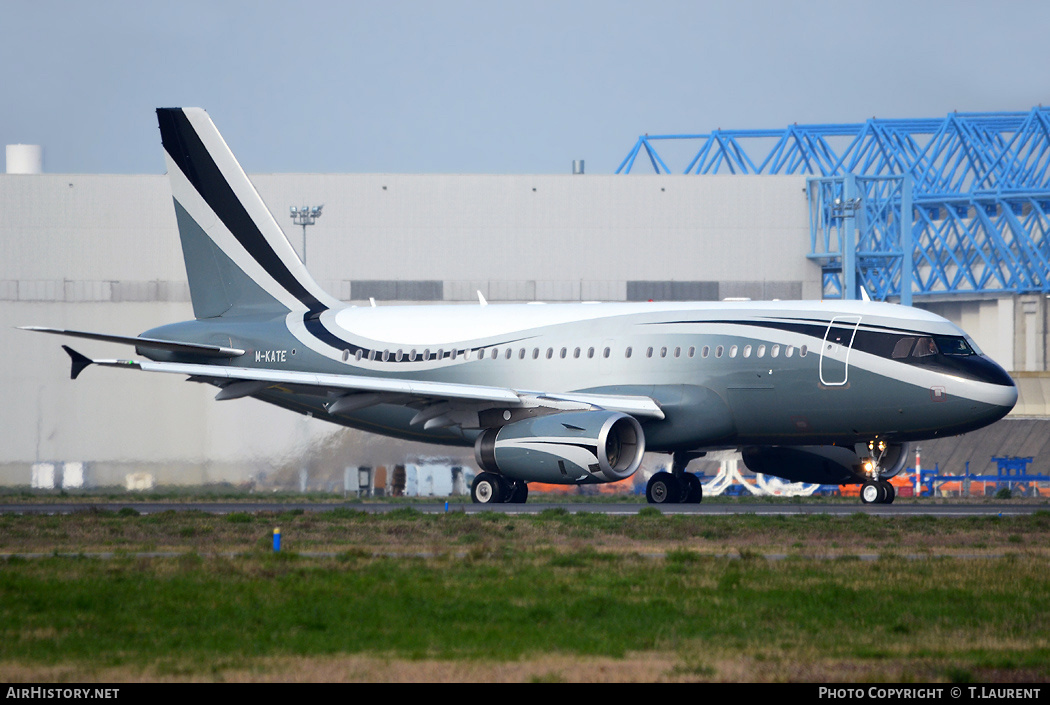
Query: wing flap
[(632, 405)]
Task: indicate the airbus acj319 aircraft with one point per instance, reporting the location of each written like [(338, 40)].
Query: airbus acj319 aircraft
[(819, 392)]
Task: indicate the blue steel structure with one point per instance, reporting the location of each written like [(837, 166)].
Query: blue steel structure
[(972, 192), (1012, 474)]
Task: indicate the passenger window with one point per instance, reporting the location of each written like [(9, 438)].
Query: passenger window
[(747, 351), (576, 353), (550, 353), (692, 351), (803, 351), (521, 354), (606, 352), (705, 351), (677, 352), (774, 351), (590, 352), (903, 348), (627, 352), (411, 355), (508, 354), (564, 352), (718, 351), (663, 352), (386, 355), (357, 355), (535, 353), (789, 351), (495, 353), (761, 352), (732, 351), (426, 354), (649, 352)]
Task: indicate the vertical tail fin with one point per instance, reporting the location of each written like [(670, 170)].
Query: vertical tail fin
[(238, 260)]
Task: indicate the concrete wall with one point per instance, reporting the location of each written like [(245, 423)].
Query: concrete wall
[(429, 237)]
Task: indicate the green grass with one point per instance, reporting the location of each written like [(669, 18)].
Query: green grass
[(991, 613), (493, 587)]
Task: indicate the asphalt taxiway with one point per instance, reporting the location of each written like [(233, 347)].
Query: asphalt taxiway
[(785, 508)]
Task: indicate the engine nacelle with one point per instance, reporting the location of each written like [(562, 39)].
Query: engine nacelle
[(826, 465), (579, 447)]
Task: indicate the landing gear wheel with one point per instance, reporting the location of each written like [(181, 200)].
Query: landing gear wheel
[(890, 490), (663, 488), (518, 492), (487, 489), (872, 493), (694, 491)]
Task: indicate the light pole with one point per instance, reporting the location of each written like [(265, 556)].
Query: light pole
[(304, 216)]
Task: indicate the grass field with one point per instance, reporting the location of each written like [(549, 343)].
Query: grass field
[(548, 597)]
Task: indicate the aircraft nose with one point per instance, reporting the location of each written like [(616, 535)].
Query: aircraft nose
[(1005, 397), (1001, 390)]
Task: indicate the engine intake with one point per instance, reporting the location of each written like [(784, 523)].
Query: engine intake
[(580, 447)]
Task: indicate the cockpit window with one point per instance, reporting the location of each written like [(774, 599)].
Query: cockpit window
[(954, 346), (903, 348), (924, 347)]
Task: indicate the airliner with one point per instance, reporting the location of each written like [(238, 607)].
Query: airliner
[(829, 392)]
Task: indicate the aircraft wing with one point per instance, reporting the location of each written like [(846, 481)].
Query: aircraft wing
[(440, 400)]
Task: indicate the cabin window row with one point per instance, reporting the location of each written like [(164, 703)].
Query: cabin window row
[(706, 351)]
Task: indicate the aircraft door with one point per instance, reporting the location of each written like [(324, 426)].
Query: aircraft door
[(834, 354)]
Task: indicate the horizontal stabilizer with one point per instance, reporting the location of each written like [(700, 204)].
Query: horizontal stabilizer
[(79, 362), (151, 343)]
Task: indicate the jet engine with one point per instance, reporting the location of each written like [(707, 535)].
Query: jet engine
[(579, 447), (826, 465)]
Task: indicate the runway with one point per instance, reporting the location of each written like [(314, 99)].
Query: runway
[(787, 508)]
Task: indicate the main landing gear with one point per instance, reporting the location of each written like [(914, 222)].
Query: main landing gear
[(490, 488), (677, 486)]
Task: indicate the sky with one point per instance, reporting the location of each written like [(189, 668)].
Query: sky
[(492, 86)]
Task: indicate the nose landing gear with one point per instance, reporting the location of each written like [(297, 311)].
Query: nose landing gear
[(875, 490)]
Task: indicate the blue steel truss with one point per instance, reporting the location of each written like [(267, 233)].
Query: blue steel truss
[(972, 190)]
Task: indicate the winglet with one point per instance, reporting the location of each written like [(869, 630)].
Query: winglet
[(79, 361)]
